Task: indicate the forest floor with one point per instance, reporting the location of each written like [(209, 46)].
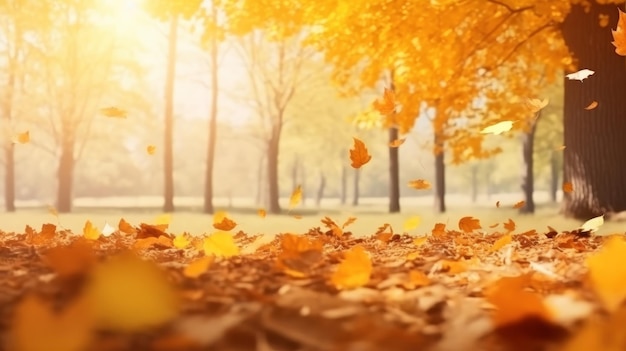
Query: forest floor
[(144, 286)]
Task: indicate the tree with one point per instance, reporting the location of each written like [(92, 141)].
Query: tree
[(594, 139)]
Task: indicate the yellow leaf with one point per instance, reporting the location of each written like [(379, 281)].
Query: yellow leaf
[(397, 142), (419, 184), (262, 213), (198, 267), (502, 242), (162, 221), (592, 105), (359, 155), (220, 244), (537, 105), (354, 271), (498, 128), (53, 211), (468, 224), (36, 326), (607, 273), (150, 149), (129, 294), (412, 223), (90, 231), (296, 197), (23, 138), (113, 112), (593, 224), (181, 241)]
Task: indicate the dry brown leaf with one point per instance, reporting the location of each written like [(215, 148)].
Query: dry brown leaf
[(519, 205), (469, 224), (509, 226), (359, 155), (592, 105)]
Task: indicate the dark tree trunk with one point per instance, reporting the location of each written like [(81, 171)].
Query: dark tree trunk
[(320, 190), (594, 158), (212, 141), (168, 145), (554, 176), (272, 172), (440, 176), (474, 183), (528, 178), (394, 174), (355, 194), (65, 175)]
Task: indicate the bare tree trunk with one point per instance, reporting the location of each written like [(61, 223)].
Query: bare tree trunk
[(554, 176), (320, 190), (355, 194), (168, 147), (528, 179), (212, 140), (594, 158), (272, 171), (394, 174), (65, 174), (440, 176)]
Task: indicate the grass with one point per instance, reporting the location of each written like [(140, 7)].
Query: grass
[(370, 216)]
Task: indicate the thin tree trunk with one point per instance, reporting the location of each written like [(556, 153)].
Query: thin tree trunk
[(440, 176), (168, 145), (65, 174), (528, 179), (554, 176), (212, 140), (320, 190), (394, 174), (594, 158), (355, 193), (272, 172)]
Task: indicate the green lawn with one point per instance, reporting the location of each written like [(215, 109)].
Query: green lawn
[(369, 218)]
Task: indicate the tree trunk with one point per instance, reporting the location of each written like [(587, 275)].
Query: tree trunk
[(212, 140), (594, 160), (394, 174), (355, 194), (65, 175), (272, 172), (168, 145), (528, 178), (440, 176), (320, 190), (554, 176), (474, 183)]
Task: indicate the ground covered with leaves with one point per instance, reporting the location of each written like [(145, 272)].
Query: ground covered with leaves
[(142, 288)]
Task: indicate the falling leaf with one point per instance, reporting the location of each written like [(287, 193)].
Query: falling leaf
[(385, 228), (510, 225), (494, 225), (298, 255), (592, 105), (220, 244), (71, 260), (225, 224), (498, 128), (125, 227), (37, 326), (359, 155), (412, 223), (387, 104), (419, 184), (354, 271), (262, 213), (619, 34), (603, 20), (469, 224), (560, 148), (23, 138), (537, 105), (130, 294), (607, 273), (198, 267), (519, 205), (397, 142), (606, 334), (580, 75), (593, 224), (150, 149), (113, 112), (502, 242), (497, 204), (568, 187), (330, 224), (296, 197), (90, 231), (53, 211), (348, 222), (513, 303)]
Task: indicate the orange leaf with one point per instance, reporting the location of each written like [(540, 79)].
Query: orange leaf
[(439, 230), (416, 279), (198, 267), (162, 242), (502, 242), (619, 34), (607, 273), (386, 105), (299, 254), (568, 187), (519, 204), (354, 271), (510, 225), (348, 221), (469, 224), (46, 235), (225, 224), (220, 244), (419, 184), (397, 142), (296, 197), (494, 225), (359, 155), (592, 105), (150, 149), (71, 260), (125, 227), (23, 138), (513, 303), (262, 213)]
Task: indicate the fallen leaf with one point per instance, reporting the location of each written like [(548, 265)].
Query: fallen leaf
[(419, 184), (359, 155), (90, 231), (198, 267), (469, 224), (298, 255), (71, 260), (125, 227), (416, 279), (181, 241), (607, 273), (221, 244), (592, 105), (439, 230), (107, 230), (580, 75), (354, 271), (593, 224)]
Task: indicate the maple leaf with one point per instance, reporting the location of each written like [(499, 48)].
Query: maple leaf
[(359, 155), (354, 271), (387, 104), (568, 187), (501, 242), (498, 128), (125, 227), (469, 224), (419, 184), (519, 205), (296, 197), (113, 112), (198, 267), (181, 241), (130, 294), (607, 273), (299, 254), (220, 244), (439, 230), (330, 224), (90, 231), (397, 142), (619, 34), (510, 225), (151, 149), (580, 75)]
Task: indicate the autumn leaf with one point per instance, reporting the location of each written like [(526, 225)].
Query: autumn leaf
[(198, 267), (519, 205), (497, 204), (181, 241), (330, 224), (151, 149), (510, 225), (225, 224), (130, 294), (126, 227), (412, 223), (46, 235), (603, 20), (348, 222), (501, 242), (221, 244), (592, 105), (359, 155), (498, 128), (607, 273), (469, 224), (619, 34), (419, 184), (162, 221), (580, 75), (23, 138), (298, 255), (354, 271), (387, 104), (71, 260), (416, 279), (593, 224), (90, 231), (439, 230), (537, 105), (296, 197), (161, 242), (113, 112), (262, 213), (568, 187), (397, 142)]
